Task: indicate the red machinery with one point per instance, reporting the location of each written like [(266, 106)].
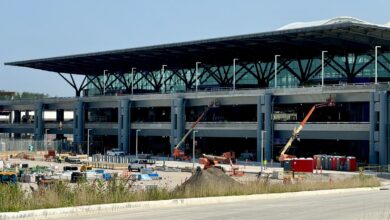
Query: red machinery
[(230, 156), (180, 154), (283, 156), (212, 161)]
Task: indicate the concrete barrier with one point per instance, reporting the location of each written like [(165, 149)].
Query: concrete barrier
[(104, 208)]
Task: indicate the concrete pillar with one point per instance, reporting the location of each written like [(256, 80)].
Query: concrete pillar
[(17, 116), (373, 122), (260, 127), (268, 126), (17, 120), (78, 125), (383, 160), (60, 115), (38, 122), (59, 119), (177, 121), (124, 125), (180, 119), (173, 125), (27, 115)]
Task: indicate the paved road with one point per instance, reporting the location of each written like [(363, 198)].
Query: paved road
[(358, 205)]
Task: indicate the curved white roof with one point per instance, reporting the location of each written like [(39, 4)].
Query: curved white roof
[(342, 19)]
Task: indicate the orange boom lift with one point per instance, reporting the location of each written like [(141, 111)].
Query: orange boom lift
[(283, 156), (180, 154)]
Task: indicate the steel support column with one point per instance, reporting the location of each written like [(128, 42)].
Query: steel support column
[(268, 126), (38, 122), (260, 127), (373, 122), (124, 125), (383, 160), (78, 125)]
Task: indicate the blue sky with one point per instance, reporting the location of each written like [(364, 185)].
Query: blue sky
[(46, 28)]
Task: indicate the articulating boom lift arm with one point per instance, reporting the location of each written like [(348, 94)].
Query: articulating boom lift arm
[(211, 105), (329, 103)]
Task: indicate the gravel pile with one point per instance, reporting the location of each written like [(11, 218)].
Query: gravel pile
[(208, 179)]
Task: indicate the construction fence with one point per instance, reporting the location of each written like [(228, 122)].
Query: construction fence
[(117, 159), (11, 144)]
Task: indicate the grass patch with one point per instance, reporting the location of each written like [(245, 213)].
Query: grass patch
[(14, 198)]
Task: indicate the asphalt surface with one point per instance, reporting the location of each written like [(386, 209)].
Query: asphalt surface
[(357, 205)]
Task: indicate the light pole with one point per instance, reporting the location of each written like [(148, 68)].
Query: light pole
[(104, 81), (47, 139), (163, 76), (262, 148), (132, 80), (376, 63), (234, 73), (322, 67), (136, 142), (196, 76), (276, 70), (88, 141), (193, 148)]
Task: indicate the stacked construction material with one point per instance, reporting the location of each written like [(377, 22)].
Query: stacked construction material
[(146, 177), (28, 178)]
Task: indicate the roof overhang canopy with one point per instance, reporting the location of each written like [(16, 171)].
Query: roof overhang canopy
[(290, 43)]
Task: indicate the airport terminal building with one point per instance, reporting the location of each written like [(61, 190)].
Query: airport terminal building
[(263, 84)]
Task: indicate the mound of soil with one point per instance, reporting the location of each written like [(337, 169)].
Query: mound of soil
[(208, 179)]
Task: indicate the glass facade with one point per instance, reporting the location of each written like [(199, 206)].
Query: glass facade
[(338, 69)]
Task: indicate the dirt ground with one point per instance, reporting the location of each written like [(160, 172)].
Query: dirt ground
[(170, 180)]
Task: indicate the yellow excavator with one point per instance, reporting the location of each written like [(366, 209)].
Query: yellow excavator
[(283, 156)]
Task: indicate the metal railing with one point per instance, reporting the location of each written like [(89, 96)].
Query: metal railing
[(223, 90), (326, 87)]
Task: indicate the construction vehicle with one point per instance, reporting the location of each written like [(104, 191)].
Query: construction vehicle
[(180, 154), (295, 134), (213, 161)]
